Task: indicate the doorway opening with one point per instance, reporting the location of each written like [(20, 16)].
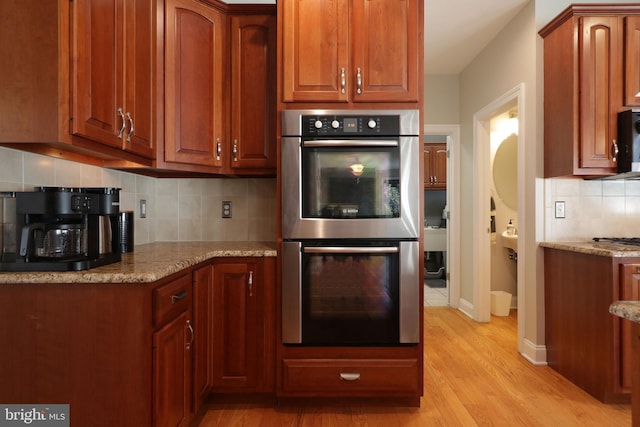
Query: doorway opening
[(512, 100), (450, 294)]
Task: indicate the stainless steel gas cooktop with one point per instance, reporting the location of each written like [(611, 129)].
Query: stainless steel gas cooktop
[(628, 241)]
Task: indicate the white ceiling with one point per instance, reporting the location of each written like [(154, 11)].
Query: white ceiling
[(455, 30)]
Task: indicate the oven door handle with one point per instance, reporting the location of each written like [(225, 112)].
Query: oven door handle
[(349, 250), (349, 143)]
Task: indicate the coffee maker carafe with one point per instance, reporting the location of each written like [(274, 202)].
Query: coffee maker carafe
[(60, 229)]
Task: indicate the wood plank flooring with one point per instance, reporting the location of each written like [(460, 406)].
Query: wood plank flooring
[(474, 376)]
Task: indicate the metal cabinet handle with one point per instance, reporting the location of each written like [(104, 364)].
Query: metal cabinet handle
[(359, 80), (178, 297), (349, 376), (251, 283), (218, 148), (343, 80), (124, 123), (235, 150), (615, 151), (191, 333), (131, 127)]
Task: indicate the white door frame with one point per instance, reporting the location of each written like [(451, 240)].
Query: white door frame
[(453, 202), (482, 194)]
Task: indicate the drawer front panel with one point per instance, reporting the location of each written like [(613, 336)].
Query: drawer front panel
[(171, 299), (366, 376)]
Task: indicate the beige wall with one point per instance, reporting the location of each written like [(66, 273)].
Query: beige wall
[(441, 99), (177, 209), (509, 60)]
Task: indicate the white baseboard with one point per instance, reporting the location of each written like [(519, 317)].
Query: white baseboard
[(466, 307), (536, 354)]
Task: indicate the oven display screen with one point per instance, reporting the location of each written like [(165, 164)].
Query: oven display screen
[(350, 125)]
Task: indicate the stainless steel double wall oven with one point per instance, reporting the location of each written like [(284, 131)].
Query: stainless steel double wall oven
[(350, 227)]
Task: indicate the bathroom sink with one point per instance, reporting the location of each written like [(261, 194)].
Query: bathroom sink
[(510, 241)]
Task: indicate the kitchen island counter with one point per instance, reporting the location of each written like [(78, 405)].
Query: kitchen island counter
[(595, 248), (148, 263), (627, 310)]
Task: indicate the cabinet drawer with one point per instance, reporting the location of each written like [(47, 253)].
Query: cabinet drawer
[(314, 376), (172, 299)]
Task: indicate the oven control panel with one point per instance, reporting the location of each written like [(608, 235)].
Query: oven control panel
[(346, 125)]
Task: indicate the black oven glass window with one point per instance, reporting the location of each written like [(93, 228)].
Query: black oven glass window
[(350, 182), (350, 299)]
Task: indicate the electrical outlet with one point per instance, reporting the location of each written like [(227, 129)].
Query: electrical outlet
[(143, 208), (560, 213), (226, 209)]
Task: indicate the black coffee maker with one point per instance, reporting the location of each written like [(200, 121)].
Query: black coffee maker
[(62, 229)]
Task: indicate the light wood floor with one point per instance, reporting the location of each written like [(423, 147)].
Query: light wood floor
[(474, 376)]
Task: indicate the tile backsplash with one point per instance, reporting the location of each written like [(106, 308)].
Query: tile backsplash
[(178, 209), (593, 208)]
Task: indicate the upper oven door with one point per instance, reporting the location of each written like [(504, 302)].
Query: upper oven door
[(350, 188)]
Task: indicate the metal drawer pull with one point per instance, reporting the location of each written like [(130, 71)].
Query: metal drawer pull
[(124, 123), (191, 334), (359, 143), (131, 127), (359, 80), (349, 250), (615, 151), (177, 297), (343, 80), (218, 149), (349, 376)]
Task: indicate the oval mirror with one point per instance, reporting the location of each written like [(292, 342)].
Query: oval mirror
[(505, 171)]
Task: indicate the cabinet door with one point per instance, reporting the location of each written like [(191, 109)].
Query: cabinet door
[(203, 327), (600, 89), (235, 326), (253, 94), (140, 101), (315, 36), (629, 291), (97, 71), (172, 373), (385, 50), (440, 166), (632, 61), (112, 90), (435, 166), (427, 154), (195, 60)]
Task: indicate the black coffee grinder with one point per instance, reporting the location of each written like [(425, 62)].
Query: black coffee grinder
[(63, 229)]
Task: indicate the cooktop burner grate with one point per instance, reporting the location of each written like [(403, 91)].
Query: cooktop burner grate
[(632, 241)]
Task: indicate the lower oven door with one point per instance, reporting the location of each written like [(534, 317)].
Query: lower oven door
[(350, 292)]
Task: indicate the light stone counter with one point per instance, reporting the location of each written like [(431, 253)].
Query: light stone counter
[(627, 309), (148, 263), (594, 248)]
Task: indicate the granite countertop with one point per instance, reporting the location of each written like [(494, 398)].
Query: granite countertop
[(148, 263), (627, 309), (595, 248)]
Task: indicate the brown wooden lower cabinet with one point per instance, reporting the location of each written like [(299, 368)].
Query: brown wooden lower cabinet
[(134, 354), (344, 377), (585, 343), (243, 311), (173, 341)]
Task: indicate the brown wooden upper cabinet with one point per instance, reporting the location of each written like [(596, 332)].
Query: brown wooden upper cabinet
[(586, 84), (195, 76), (112, 73), (253, 94), (208, 124), (435, 166), (350, 50)]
